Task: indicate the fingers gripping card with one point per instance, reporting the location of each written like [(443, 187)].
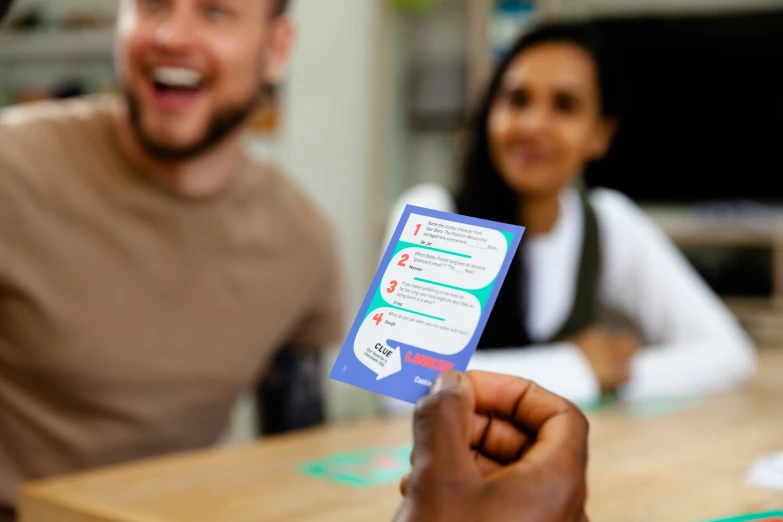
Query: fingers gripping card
[(428, 302)]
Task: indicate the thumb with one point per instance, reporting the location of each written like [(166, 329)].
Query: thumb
[(442, 425)]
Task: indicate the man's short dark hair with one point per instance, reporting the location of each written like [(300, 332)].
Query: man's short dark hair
[(5, 4), (280, 6)]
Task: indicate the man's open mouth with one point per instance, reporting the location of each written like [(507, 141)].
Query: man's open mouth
[(176, 80)]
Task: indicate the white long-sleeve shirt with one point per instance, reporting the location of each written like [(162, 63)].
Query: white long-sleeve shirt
[(695, 345)]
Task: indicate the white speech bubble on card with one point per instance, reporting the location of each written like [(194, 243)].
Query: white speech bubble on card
[(387, 327), (454, 305), (455, 254)]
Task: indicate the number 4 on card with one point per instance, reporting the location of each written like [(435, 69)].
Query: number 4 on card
[(377, 318)]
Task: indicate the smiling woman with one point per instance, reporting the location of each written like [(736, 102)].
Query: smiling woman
[(544, 117)]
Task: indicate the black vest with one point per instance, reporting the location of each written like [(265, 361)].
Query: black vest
[(506, 328)]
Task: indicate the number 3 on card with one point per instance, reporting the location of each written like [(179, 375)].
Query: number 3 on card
[(392, 286)]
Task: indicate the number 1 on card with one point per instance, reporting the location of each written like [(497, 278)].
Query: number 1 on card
[(417, 230)]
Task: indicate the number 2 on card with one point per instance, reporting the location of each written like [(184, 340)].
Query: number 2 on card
[(405, 257), (377, 318)]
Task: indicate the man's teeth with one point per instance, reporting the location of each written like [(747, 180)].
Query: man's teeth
[(177, 77)]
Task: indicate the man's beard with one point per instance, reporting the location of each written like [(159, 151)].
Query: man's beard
[(222, 124)]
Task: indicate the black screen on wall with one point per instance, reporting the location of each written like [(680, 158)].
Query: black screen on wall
[(702, 108)]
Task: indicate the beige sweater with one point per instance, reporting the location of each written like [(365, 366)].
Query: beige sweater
[(131, 318)]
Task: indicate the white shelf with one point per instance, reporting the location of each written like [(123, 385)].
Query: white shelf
[(62, 45)]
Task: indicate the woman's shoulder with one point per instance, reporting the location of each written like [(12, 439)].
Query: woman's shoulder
[(426, 195), (612, 203), (620, 214), (623, 224)]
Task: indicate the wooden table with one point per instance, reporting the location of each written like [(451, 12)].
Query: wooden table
[(686, 465)]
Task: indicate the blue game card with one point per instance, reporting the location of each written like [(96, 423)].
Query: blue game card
[(428, 303)]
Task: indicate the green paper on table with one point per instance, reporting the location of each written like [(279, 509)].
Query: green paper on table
[(605, 402), (362, 468), (767, 516), (644, 409), (649, 409)]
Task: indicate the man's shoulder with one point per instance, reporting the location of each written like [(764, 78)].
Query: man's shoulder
[(34, 135), (50, 116)]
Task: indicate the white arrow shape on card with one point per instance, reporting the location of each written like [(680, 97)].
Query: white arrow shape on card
[(393, 364)]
